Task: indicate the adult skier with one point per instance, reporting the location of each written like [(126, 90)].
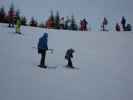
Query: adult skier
[(104, 24), (117, 27), (42, 48), (123, 22)]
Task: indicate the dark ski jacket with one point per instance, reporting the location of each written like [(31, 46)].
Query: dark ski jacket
[(43, 43), (123, 21), (69, 54)]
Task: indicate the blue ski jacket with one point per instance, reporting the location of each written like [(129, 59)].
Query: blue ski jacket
[(43, 42)]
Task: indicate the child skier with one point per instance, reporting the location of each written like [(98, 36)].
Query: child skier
[(68, 56)]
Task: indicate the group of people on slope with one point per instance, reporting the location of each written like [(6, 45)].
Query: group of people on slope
[(121, 26)]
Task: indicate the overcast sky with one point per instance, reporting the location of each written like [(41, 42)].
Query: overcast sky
[(92, 10)]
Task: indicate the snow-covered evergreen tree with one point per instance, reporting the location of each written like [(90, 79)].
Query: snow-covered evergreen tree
[(33, 22), (23, 20)]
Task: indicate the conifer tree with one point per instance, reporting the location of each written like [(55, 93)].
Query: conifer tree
[(23, 21), (73, 23), (11, 16), (57, 20), (33, 22), (52, 16), (17, 15), (2, 14)]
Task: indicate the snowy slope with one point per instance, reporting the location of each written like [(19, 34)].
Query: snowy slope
[(104, 59)]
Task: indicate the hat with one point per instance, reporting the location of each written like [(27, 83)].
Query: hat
[(45, 35)]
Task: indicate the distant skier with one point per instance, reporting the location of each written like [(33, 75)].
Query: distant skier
[(104, 24), (18, 26), (68, 56), (117, 27), (83, 25), (128, 27), (42, 48), (123, 22)]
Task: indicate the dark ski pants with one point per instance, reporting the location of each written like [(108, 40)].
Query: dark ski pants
[(43, 55), (11, 25), (70, 62)]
